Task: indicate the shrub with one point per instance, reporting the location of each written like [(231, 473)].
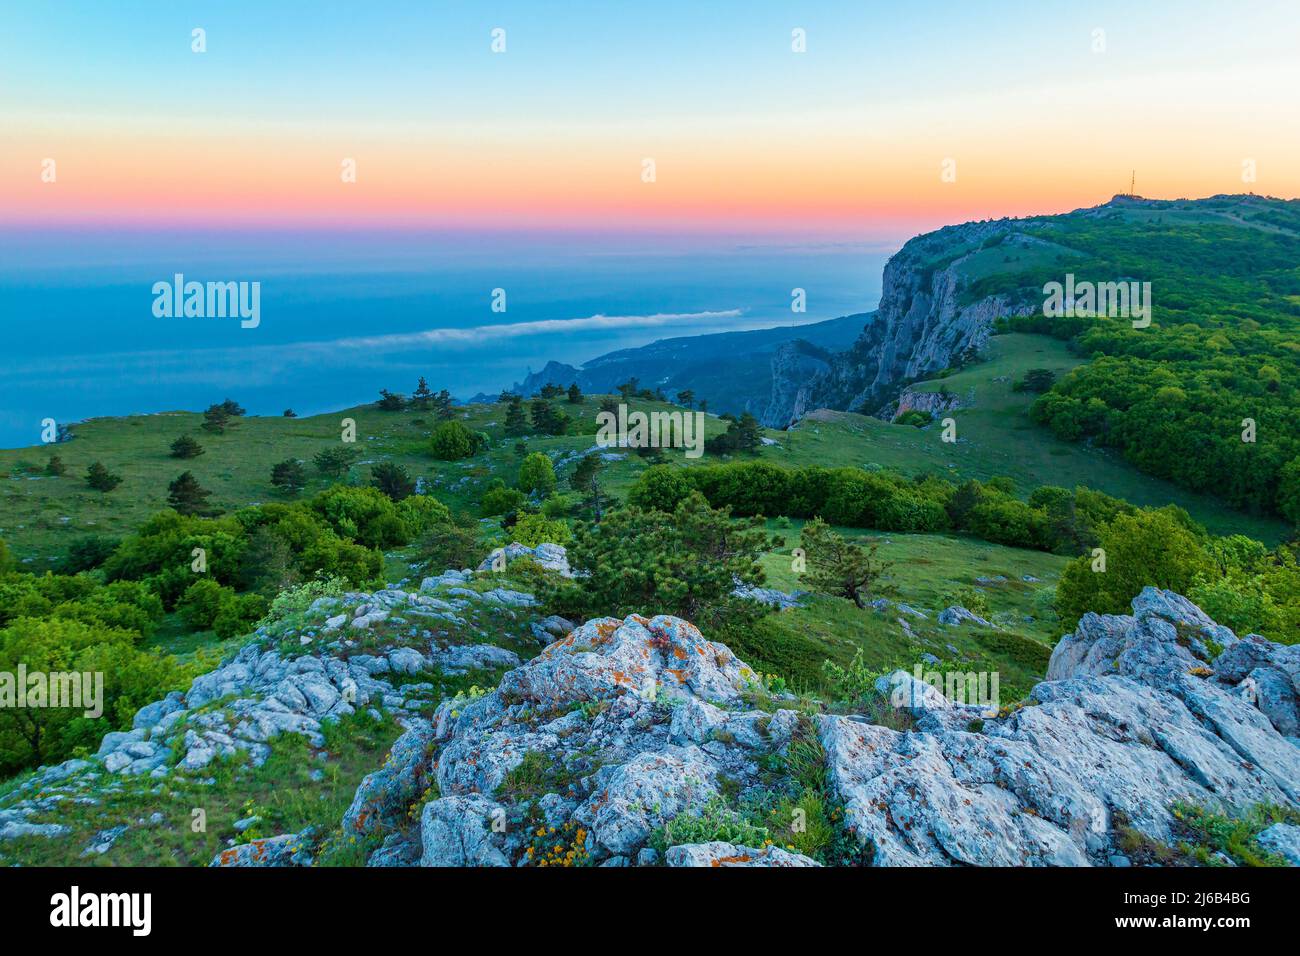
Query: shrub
[(535, 529), (713, 821), (101, 479), (500, 500), (392, 479), (452, 544), (537, 475), (299, 597), (366, 515), (238, 615), (1149, 548), (85, 554), (420, 513), (916, 417), (202, 602), (660, 488), (649, 562), (452, 441)]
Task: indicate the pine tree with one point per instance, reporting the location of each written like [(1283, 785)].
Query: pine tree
[(55, 467), (443, 407), (186, 496), (216, 419), (516, 421), (392, 479), (575, 394), (422, 397), (186, 447), (101, 479), (289, 476), (686, 397), (838, 567), (335, 460), (547, 419), (391, 401), (586, 481), (749, 434)]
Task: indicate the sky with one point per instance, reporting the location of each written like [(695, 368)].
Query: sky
[(1027, 107)]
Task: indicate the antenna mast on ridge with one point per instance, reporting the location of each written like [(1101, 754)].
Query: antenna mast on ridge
[(1132, 185)]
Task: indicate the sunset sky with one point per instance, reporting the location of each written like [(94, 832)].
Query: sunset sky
[(847, 139)]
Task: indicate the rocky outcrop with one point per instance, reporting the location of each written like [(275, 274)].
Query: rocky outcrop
[(552, 557), (729, 855), (793, 366), (1282, 839), (383, 797), (624, 726), (1132, 721), (934, 404), (957, 615), (923, 323), (781, 600), (292, 849)]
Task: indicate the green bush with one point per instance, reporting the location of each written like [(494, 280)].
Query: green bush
[(420, 514), (537, 475), (239, 614), (500, 500), (452, 441), (202, 602), (660, 488), (535, 529)]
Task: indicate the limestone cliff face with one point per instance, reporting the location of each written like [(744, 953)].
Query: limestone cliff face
[(923, 324), (793, 366), (935, 403)]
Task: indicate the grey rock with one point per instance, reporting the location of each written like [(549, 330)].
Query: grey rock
[(293, 849), (466, 830), (382, 798), (956, 615), (406, 660), (552, 557), (463, 657), (551, 628), (14, 829), (719, 854), (1040, 786), (769, 596), (1282, 839)]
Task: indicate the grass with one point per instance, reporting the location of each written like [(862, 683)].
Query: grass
[(1206, 837), (924, 571), (282, 791), (996, 437), (40, 515)]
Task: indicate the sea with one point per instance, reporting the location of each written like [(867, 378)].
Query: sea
[(344, 313)]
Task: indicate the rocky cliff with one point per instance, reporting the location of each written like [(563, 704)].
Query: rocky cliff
[(923, 324)]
